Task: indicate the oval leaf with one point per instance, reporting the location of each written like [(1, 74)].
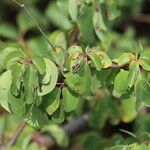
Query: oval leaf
[(15, 55), (39, 63), (50, 79), (5, 84), (96, 60), (121, 83), (30, 83), (51, 101), (16, 73), (70, 100)]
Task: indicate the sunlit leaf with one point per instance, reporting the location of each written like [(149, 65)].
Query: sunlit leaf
[(124, 59), (121, 83), (58, 38), (5, 84)]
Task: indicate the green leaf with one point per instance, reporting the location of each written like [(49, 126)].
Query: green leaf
[(5, 84), (96, 60), (145, 60), (129, 112), (58, 134), (12, 58), (121, 83), (145, 64), (133, 73), (58, 38), (59, 56), (118, 147), (36, 118), (137, 146), (90, 140), (142, 92), (38, 46), (104, 74), (70, 100), (85, 71), (50, 79), (4, 53), (98, 116), (74, 49), (63, 6), (51, 101), (87, 34), (75, 57), (16, 73), (87, 1), (58, 17), (78, 82), (24, 21), (106, 62), (113, 11), (59, 115), (14, 46), (17, 105), (98, 22), (124, 59), (8, 30), (34, 146), (95, 82), (73, 9), (39, 63), (30, 83)]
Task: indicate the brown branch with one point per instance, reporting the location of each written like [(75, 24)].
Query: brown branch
[(77, 125), (74, 36), (115, 66), (71, 128), (16, 134), (142, 18)]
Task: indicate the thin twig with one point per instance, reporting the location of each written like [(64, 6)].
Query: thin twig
[(16, 134), (19, 129), (35, 22)]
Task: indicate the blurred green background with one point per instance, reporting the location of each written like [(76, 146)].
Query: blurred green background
[(127, 23)]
